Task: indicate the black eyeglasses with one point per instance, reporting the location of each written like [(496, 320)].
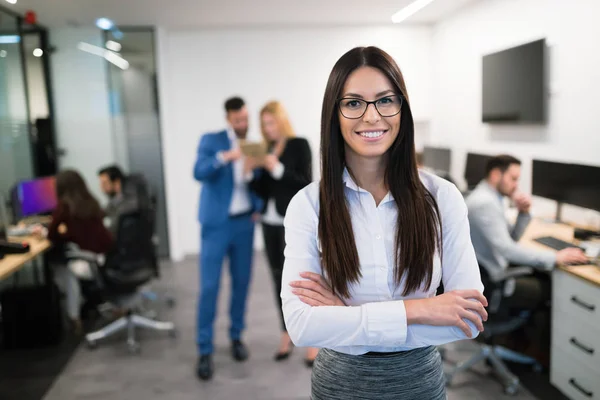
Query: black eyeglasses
[(353, 108)]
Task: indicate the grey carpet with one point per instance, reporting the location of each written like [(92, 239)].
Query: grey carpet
[(165, 367)]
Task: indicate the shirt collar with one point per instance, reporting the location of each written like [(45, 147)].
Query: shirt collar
[(231, 134), (352, 185), (488, 187)]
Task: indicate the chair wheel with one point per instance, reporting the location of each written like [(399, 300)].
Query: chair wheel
[(511, 389), (134, 348), (173, 333), (92, 345)]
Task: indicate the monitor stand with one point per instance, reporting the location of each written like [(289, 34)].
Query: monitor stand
[(558, 218)]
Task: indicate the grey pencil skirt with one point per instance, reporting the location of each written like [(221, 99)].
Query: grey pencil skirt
[(408, 375)]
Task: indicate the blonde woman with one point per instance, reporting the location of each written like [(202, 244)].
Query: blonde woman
[(286, 170)]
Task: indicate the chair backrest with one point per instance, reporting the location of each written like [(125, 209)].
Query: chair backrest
[(140, 197), (131, 262), (492, 291), (136, 187), (500, 320)]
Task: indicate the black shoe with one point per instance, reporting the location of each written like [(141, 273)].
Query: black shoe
[(282, 356), (204, 369), (309, 363), (239, 351)]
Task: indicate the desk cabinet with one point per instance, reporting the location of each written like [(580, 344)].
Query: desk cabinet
[(575, 355)]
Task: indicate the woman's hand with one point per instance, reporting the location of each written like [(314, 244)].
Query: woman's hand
[(39, 232), (250, 164), (315, 291), (449, 309), (270, 162)]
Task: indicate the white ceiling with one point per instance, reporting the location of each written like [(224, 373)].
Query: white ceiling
[(231, 13)]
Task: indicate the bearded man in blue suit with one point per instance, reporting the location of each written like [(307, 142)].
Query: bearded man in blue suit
[(226, 214)]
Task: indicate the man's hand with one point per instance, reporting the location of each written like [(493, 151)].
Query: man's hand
[(315, 291), (571, 255), (522, 202), (232, 155)]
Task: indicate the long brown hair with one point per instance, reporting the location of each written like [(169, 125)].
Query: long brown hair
[(418, 231), (72, 191)]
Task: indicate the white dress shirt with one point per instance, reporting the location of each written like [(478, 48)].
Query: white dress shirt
[(271, 216), (240, 198), (496, 242), (375, 318)]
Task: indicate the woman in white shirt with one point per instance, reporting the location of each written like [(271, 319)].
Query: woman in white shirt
[(368, 245)]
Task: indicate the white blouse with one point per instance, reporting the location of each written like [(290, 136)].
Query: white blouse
[(375, 318)]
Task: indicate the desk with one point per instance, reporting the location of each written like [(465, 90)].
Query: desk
[(13, 262), (575, 350)]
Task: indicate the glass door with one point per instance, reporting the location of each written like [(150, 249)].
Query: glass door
[(135, 117)]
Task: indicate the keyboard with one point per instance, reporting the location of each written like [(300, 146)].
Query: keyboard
[(554, 243)]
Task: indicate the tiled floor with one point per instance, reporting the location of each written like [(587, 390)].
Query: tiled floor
[(165, 367)]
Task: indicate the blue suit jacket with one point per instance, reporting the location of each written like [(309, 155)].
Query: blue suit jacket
[(217, 180)]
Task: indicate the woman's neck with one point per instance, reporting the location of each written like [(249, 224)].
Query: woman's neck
[(369, 174), (278, 146)]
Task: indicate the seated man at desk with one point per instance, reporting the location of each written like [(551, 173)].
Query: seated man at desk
[(496, 241), (112, 180), (121, 192)]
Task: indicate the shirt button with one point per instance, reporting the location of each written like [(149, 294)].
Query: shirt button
[(382, 268), (378, 236)]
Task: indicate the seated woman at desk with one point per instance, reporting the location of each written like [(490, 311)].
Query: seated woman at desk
[(78, 220)]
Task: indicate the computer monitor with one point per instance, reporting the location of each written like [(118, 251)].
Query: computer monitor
[(34, 197), (566, 183), (4, 222), (437, 158), (475, 168)]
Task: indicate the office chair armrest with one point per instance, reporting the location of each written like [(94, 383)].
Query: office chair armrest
[(94, 260), (513, 272), (88, 256)]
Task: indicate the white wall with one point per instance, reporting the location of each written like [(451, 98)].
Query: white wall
[(198, 70), (572, 134), (83, 122)]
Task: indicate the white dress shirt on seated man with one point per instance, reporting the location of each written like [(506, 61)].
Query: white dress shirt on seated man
[(375, 318), (495, 240)]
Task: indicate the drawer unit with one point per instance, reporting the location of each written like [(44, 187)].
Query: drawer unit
[(580, 340), (576, 297), (574, 379), (575, 353)]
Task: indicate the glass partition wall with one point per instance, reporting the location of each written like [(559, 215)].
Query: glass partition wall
[(26, 128), (15, 144), (134, 113)]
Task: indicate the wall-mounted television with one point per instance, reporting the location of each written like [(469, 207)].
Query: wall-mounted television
[(514, 85)]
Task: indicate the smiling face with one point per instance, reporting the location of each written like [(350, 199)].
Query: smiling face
[(371, 135)]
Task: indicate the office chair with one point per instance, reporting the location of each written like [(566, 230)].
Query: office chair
[(500, 322), (137, 187), (121, 275)]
